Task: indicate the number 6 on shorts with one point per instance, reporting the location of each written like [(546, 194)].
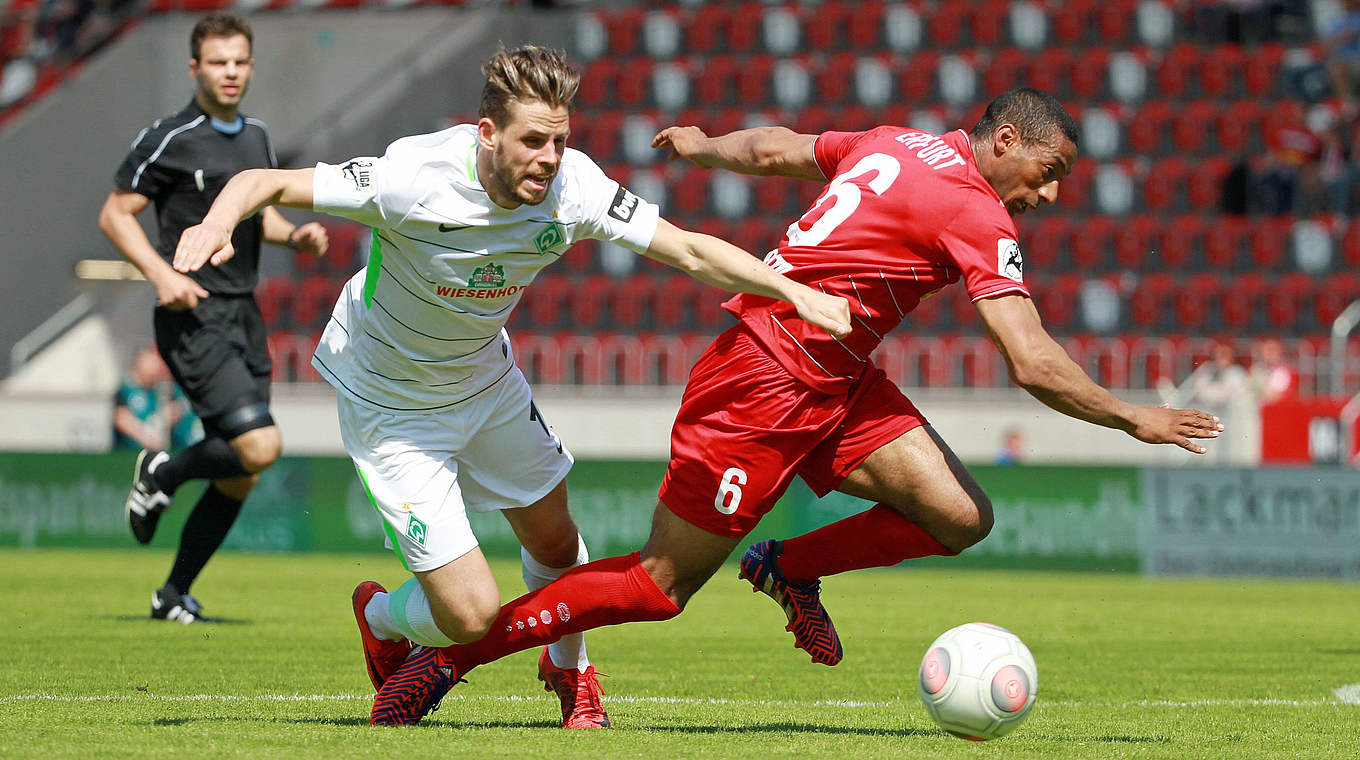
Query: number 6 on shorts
[(730, 486)]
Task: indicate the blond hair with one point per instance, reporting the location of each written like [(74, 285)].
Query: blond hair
[(527, 73)]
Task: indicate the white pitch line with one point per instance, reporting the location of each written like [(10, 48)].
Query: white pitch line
[(1346, 695)]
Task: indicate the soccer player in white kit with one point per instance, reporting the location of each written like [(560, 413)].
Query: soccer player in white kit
[(433, 410)]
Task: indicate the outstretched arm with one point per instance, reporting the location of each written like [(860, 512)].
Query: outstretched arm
[(765, 151), (210, 240), (723, 265), (1039, 365)]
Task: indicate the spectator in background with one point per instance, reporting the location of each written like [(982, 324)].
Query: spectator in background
[(1222, 386), (1272, 378), (149, 410), (1341, 48), (1012, 443)]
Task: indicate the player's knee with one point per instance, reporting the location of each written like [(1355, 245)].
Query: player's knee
[(560, 550), (470, 621), (259, 450)]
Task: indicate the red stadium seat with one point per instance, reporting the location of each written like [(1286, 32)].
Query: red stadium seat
[(1192, 300), (864, 23), (1204, 188), (1043, 240), (1269, 241), (586, 300), (1150, 300), (916, 77), (987, 22), (754, 81), (624, 27), (598, 82), (1224, 243), (1134, 241), (702, 28), (833, 78), (1261, 69), (689, 191), (677, 297), (313, 300), (945, 27), (1148, 126), (1220, 72), (1241, 301), (1056, 299), (1072, 21), (824, 25), (1005, 70), (1192, 124), (545, 301), (1178, 68), (1285, 301), (743, 26), (1179, 240), (1091, 242), (1239, 126), (715, 81), (1114, 21), (1088, 74), (1074, 191), (1049, 70), (1335, 293), (274, 294), (631, 301), (634, 83), (1163, 183)]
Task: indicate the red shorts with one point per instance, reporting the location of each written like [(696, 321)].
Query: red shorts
[(746, 427)]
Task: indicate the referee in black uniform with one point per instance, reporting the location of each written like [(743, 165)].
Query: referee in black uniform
[(208, 325)]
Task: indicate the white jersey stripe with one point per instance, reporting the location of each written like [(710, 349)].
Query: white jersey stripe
[(137, 175)]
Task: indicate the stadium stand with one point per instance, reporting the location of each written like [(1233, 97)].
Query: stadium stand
[(1145, 257)]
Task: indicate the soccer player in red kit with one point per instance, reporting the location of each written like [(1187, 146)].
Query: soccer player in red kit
[(904, 214)]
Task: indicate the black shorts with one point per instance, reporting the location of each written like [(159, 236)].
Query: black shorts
[(217, 353)]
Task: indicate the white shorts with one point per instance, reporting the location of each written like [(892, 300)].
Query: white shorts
[(423, 472)]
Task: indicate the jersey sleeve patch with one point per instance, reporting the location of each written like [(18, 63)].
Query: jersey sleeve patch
[(1009, 262)]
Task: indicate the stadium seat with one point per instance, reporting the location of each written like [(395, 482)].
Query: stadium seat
[(1114, 21), (1134, 241), (631, 303), (1005, 70), (1178, 71), (545, 301), (864, 22), (701, 29), (661, 34), (1285, 300), (1204, 187), (274, 294), (916, 76), (624, 27), (633, 85), (1241, 302), (833, 78), (312, 301), (1192, 125), (1072, 21), (598, 82), (1261, 69), (1056, 298), (987, 22), (1220, 71), (1334, 294), (743, 26), (946, 25), (1091, 242), (1088, 73), (781, 30), (1148, 125), (714, 80), (1192, 301), (1150, 301), (823, 25), (1050, 70), (1044, 239), (1224, 242), (1269, 241), (1239, 126), (1163, 183), (671, 84), (677, 296), (754, 80), (1180, 239)]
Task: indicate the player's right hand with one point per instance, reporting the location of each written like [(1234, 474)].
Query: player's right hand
[(831, 313), (177, 292), (680, 142), (205, 243), (1161, 424)]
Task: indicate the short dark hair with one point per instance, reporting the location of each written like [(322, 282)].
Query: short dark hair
[(218, 25), (1038, 116), (528, 72)]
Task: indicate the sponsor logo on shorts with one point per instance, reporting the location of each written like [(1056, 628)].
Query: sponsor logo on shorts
[(359, 172), (551, 237), (624, 204), (1009, 262), (416, 530)]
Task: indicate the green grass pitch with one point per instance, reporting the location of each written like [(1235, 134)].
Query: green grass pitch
[(1129, 667)]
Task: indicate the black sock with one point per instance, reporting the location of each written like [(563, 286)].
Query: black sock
[(204, 531), (210, 458)]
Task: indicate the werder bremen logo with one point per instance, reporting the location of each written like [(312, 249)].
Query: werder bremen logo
[(551, 236), (490, 276), (416, 530)]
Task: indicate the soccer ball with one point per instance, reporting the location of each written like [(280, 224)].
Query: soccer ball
[(978, 681)]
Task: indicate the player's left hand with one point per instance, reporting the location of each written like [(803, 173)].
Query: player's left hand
[(203, 243), (310, 237), (1162, 424), (831, 313)]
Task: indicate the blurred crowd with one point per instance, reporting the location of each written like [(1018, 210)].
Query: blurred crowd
[(35, 33)]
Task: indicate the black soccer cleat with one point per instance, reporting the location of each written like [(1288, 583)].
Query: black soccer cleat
[(168, 603), (146, 501)]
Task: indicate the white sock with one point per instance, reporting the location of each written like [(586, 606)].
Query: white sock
[(570, 650), (408, 609), (380, 619)]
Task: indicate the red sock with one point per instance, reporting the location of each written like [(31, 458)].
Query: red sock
[(878, 537), (604, 592)]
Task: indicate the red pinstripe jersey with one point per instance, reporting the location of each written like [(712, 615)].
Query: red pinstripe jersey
[(905, 214)]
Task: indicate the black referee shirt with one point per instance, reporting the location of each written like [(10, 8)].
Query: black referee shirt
[(181, 163)]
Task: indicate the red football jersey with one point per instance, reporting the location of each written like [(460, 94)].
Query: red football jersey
[(905, 214)]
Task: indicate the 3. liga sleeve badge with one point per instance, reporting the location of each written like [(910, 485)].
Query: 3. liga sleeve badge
[(1009, 262)]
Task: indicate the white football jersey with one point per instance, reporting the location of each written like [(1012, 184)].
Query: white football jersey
[(422, 327)]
